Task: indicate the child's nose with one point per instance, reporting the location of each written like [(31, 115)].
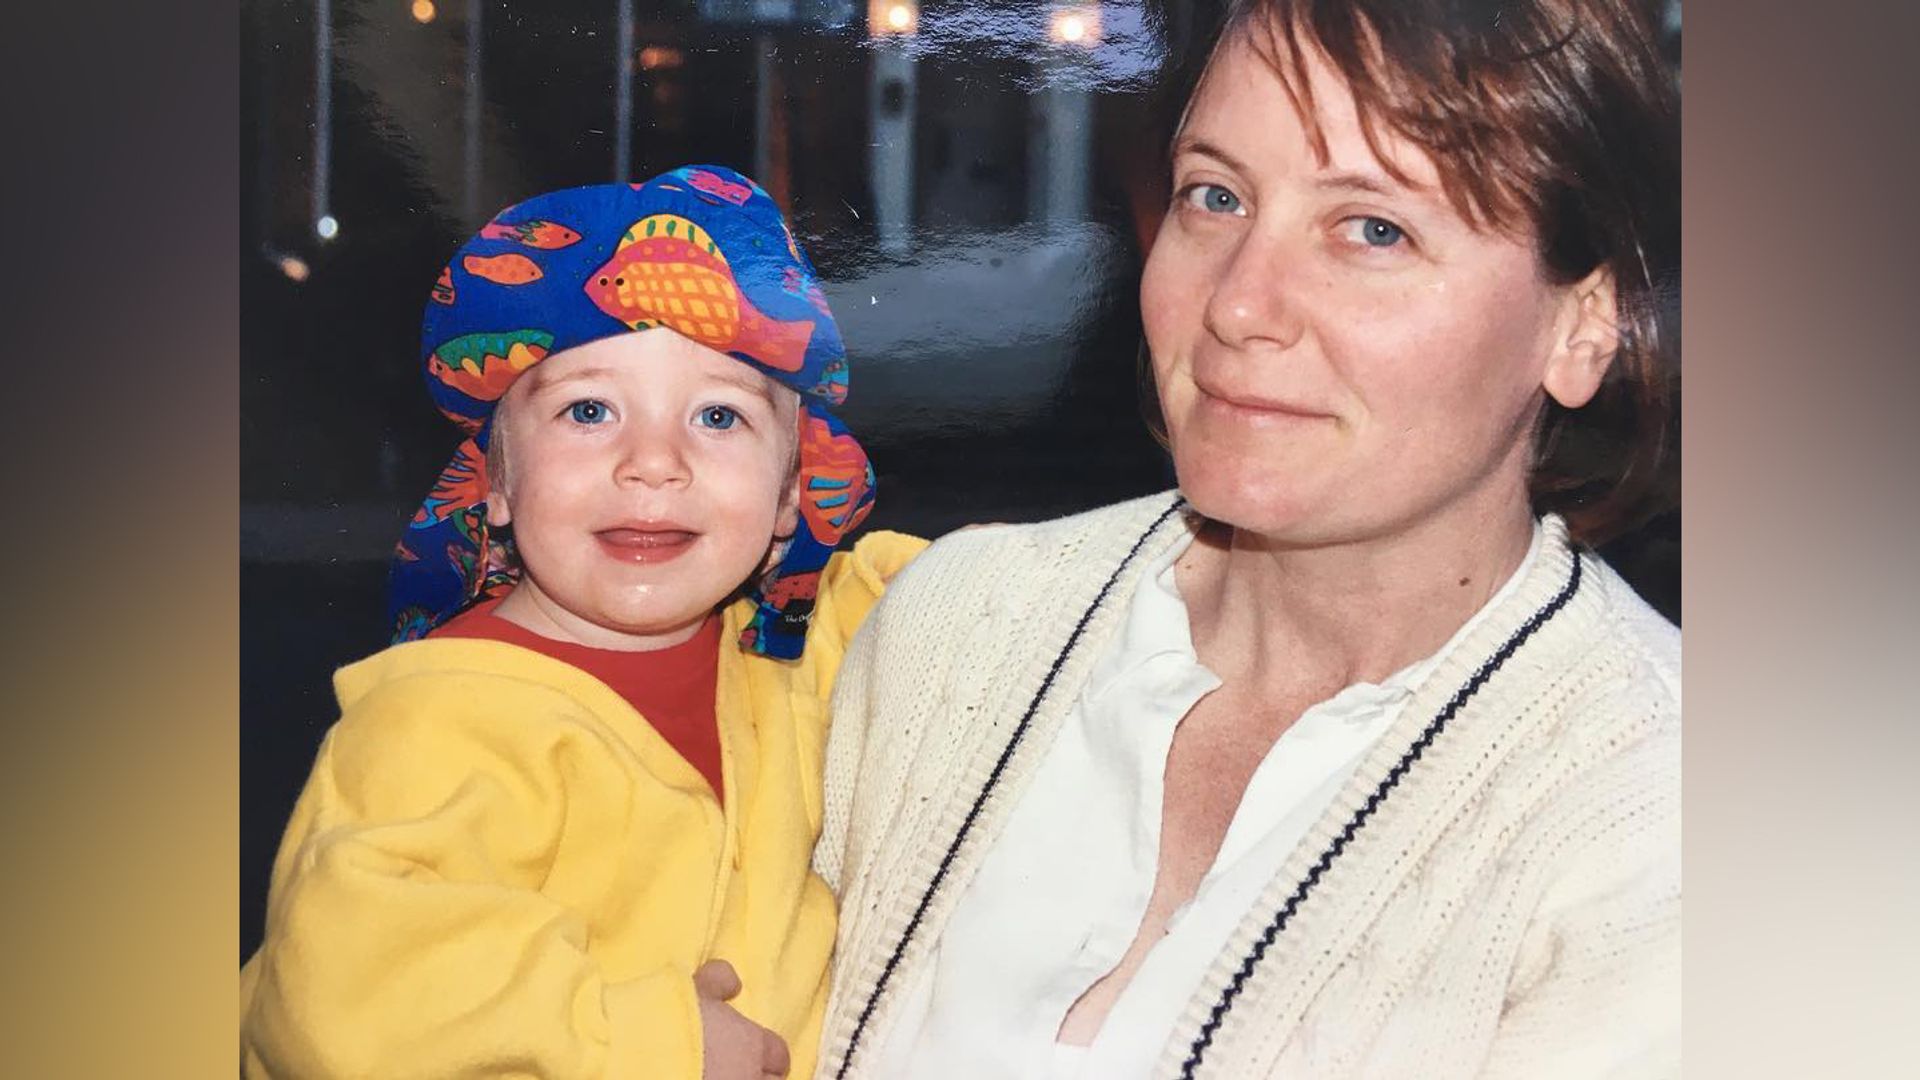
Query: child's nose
[(655, 459)]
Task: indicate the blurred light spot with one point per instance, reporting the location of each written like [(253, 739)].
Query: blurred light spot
[(423, 11), (327, 227), (661, 57), (294, 267), (885, 17), (1076, 26)]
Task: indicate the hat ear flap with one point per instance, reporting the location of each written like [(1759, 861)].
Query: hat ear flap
[(833, 492)]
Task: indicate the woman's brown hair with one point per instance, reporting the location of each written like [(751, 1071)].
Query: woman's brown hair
[(1556, 119)]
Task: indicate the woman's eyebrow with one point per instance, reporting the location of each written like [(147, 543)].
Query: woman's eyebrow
[(1354, 181), (1335, 180), (1187, 144), (1370, 183)]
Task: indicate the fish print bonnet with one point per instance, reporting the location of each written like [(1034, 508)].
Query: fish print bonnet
[(701, 250)]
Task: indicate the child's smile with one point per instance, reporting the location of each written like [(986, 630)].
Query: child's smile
[(646, 541)]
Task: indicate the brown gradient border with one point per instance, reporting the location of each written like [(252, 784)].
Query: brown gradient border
[(1802, 878)]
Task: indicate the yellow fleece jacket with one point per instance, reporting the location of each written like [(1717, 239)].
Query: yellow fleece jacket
[(498, 868)]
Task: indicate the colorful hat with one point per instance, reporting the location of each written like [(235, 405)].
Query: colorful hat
[(701, 250)]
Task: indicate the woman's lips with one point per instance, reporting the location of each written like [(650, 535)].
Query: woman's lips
[(1258, 410), (648, 545)]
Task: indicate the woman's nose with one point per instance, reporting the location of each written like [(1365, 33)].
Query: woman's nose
[(1252, 301), (654, 455)]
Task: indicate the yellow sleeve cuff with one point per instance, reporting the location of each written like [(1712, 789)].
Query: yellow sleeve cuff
[(654, 1028)]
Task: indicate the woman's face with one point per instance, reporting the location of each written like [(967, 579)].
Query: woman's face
[(1340, 355)]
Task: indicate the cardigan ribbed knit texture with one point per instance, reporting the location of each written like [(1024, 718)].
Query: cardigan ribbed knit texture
[(1509, 907)]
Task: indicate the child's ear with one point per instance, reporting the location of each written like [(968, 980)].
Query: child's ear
[(1587, 346), (787, 521), (499, 514)]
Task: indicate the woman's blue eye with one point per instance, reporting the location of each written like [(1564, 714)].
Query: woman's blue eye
[(718, 417), (1214, 199), (1379, 232), (587, 412)]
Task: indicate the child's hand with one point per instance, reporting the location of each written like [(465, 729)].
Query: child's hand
[(736, 1047)]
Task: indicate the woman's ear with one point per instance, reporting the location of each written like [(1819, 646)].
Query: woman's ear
[(1586, 347)]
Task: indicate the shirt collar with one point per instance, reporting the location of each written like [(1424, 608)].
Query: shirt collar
[(1156, 621), (1157, 624)]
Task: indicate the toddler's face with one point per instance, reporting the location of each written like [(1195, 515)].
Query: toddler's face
[(645, 477)]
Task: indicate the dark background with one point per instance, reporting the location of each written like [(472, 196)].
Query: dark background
[(977, 196)]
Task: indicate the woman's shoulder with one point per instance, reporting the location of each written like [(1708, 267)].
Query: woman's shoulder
[(1648, 641), (1592, 782), (1087, 541)]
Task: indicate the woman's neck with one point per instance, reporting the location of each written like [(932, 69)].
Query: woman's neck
[(1296, 620)]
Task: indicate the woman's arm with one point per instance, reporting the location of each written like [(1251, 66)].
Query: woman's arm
[(852, 710)]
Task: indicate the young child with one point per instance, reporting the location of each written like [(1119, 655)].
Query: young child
[(601, 769)]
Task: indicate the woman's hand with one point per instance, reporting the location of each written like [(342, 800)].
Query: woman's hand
[(736, 1047)]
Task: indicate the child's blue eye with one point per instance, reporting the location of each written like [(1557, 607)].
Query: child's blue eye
[(587, 412), (718, 417)]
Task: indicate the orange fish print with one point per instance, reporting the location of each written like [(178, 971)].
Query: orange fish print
[(462, 483), (482, 366), (534, 233), (703, 181), (790, 587), (668, 272), (509, 269), (443, 288), (834, 479)]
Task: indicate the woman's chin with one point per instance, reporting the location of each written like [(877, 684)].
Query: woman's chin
[(1263, 504)]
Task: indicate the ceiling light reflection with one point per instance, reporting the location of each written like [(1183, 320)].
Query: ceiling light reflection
[(1078, 25), (886, 18), (661, 58)]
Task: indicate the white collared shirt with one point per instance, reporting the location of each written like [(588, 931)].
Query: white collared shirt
[(1060, 895)]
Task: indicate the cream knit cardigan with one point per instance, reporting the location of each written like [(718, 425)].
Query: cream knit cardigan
[(1495, 893)]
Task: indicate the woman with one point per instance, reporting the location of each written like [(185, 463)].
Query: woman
[(1340, 761)]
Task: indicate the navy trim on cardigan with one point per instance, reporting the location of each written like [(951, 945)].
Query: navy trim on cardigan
[(986, 791), (1197, 1051)]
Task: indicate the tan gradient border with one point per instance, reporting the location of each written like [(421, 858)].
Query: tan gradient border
[(119, 698)]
